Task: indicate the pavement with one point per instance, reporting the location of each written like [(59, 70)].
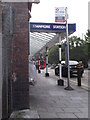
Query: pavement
[(48, 100), (53, 101)]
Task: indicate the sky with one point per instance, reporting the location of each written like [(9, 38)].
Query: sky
[(77, 12)]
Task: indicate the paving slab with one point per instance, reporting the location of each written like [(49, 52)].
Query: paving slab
[(71, 110), (53, 101), (81, 115), (66, 115), (47, 115), (27, 113)]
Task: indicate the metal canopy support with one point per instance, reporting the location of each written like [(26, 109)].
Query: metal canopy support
[(47, 74), (60, 81), (39, 40), (40, 36), (49, 44)]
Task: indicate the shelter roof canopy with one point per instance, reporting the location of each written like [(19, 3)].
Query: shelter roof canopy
[(44, 35)]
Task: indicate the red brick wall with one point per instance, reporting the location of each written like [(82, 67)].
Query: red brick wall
[(20, 41), (20, 56), (15, 55)]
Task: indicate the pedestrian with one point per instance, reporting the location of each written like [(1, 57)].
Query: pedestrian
[(32, 73)]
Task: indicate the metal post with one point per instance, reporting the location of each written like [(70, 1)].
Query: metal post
[(60, 67), (68, 80), (47, 74), (60, 81), (66, 62), (79, 75), (39, 71)]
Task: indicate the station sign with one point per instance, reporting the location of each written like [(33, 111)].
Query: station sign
[(51, 27), (60, 14)]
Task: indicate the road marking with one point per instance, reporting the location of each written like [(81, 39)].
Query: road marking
[(81, 84)]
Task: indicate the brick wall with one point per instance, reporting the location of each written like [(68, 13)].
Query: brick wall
[(5, 58), (15, 56), (0, 62), (89, 15), (20, 56)]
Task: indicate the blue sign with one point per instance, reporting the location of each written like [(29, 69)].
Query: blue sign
[(51, 27)]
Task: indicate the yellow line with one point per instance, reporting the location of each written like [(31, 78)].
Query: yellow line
[(81, 84)]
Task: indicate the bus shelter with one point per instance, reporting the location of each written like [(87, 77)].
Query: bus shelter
[(43, 36)]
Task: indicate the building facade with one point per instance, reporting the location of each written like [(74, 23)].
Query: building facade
[(89, 15), (0, 62), (15, 51)]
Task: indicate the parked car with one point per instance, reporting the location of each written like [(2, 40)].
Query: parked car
[(73, 68)]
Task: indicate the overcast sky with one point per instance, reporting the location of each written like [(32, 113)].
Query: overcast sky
[(77, 11)]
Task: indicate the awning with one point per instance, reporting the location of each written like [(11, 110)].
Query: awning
[(44, 35)]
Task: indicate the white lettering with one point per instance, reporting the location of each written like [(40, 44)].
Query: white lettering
[(41, 26), (58, 27)]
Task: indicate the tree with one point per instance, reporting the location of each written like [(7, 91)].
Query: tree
[(75, 41), (79, 50), (87, 36), (78, 54), (53, 55), (87, 44)]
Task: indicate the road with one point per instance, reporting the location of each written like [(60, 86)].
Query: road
[(84, 80)]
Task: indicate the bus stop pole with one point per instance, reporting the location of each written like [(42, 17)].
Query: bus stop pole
[(60, 81), (47, 74), (68, 79)]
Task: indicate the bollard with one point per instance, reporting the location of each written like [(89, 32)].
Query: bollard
[(79, 76), (39, 71)]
